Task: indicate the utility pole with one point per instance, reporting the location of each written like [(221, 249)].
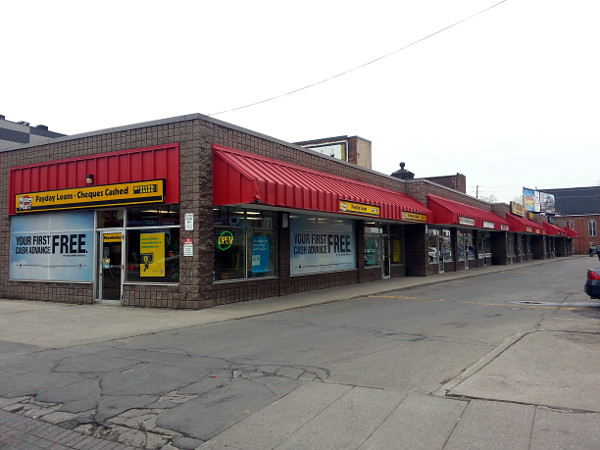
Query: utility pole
[(477, 191)]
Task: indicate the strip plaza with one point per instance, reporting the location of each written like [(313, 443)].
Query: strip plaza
[(191, 212)]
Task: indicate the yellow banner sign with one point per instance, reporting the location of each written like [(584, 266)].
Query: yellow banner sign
[(152, 191), (112, 237), (414, 217), (152, 255), (359, 208)]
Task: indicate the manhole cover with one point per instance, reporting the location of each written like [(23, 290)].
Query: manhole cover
[(527, 302), (563, 305)]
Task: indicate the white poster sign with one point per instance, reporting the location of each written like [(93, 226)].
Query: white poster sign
[(54, 246), (320, 244)]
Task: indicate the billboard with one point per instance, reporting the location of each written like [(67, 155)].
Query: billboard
[(547, 203), (53, 246), (334, 149), (538, 202), (531, 200)]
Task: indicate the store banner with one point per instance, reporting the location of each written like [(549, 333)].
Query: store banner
[(152, 191), (152, 254), (321, 245), (52, 247)]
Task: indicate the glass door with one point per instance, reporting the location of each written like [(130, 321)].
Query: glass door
[(440, 247), (110, 266), (385, 253)]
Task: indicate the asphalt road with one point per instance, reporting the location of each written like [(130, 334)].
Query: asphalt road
[(503, 360)]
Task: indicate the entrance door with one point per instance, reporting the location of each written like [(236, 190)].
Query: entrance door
[(110, 267), (440, 255), (385, 253)]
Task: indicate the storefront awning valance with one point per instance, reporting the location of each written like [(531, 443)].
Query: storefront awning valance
[(451, 212), (525, 225), (243, 178)]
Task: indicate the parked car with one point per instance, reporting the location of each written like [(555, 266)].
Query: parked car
[(592, 285)]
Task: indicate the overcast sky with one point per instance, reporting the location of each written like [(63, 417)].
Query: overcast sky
[(509, 97)]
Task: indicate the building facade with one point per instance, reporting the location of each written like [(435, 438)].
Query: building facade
[(578, 208), (191, 212)]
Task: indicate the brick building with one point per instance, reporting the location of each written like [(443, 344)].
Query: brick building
[(192, 212), (579, 209)]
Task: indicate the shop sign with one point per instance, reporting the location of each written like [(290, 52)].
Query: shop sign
[(529, 229), (152, 254), (225, 240), (504, 227), (414, 217), (360, 209), (517, 209), (466, 221), (112, 237), (395, 251), (152, 191), (487, 224)]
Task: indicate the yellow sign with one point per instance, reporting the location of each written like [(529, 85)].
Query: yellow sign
[(152, 191), (396, 251), (358, 208), (415, 217), (517, 209), (112, 237), (152, 255)]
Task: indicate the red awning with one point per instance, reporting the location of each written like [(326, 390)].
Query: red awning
[(525, 225), (554, 230), (451, 212), (571, 232), (242, 178)]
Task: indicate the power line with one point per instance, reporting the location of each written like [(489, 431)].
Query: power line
[(362, 65)]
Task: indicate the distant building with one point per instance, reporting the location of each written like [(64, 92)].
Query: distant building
[(579, 209), (352, 149), (13, 134)]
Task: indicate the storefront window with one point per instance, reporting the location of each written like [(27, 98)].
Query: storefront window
[(397, 242), (372, 246), (432, 245), (446, 246), (148, 216), (244, 243), (461, 245), (485, 245), (152, 237), (469, 248), (372, 251), (112, 218), (153, 255)]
